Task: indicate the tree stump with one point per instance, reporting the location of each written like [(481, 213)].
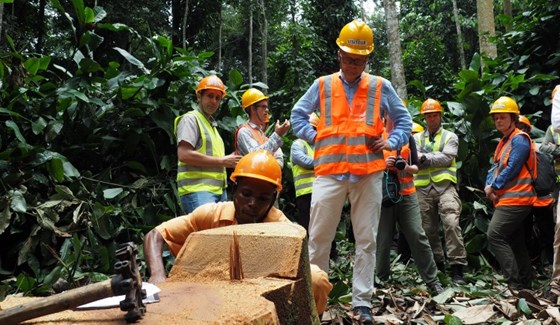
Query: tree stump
[(275, 289)]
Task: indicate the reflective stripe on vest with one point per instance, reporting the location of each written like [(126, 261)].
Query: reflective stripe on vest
[(303, 178), (518, 191), (191, 179), (556, 140), (434, 174), (343, 133)]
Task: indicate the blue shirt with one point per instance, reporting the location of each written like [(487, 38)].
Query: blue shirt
[(390, 103), (520, 150)]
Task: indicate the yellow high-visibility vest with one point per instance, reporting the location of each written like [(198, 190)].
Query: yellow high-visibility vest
[(303, 178), (434, 174), (191, 179)]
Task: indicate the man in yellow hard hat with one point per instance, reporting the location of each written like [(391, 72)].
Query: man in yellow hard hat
[(258, 180), (250, 135), (202, 162), (513, 197), (348, 157), (436, 185)]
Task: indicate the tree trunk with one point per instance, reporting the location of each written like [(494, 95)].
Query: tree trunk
[(460, 46), (264, 43), (41, 27), (395, 52), (175, 21), (250, 46), (184, 28), (219, 68), (508, 12), (294, 38), (486, 28), (1, 19)]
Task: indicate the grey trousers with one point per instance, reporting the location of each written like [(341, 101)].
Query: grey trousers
[(506, 241), (407, 214)]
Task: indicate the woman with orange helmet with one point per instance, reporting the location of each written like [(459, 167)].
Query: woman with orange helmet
[(202, 162)]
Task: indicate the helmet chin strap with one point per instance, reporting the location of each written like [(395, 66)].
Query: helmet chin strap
[(270, 206)]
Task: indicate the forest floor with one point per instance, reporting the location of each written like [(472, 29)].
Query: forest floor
[(484, 299)]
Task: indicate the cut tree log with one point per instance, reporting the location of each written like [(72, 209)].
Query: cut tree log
[(276, 286)]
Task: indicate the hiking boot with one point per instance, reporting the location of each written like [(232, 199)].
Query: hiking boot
[(457, 274), (362, 315), (436, 288)]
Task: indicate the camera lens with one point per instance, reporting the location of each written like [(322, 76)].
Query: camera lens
[(400, 163)]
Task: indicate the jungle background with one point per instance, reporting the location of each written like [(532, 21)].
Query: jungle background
[(89, 91)]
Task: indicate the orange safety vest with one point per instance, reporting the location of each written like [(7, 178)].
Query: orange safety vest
[(405, 179), (259, 136), (518, 191), (545, 201), (343, 132)]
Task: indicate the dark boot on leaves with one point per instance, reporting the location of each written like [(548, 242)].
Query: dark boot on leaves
[(457, 274)]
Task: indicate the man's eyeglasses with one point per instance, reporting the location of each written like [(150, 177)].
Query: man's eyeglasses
[(262, 106), (352, 61)]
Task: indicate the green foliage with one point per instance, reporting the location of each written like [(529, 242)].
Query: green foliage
[(87, 153), (452, 320)]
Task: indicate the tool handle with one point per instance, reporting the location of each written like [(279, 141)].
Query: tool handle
[(56, 303)]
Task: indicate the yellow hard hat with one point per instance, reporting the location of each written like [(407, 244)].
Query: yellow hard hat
[(251, 96), (211, 82), (259, 164), (504, 104), (356, 37), (431, 106), (525, 120), (417, 128)]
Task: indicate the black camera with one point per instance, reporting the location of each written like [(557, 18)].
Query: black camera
[(400, 163)]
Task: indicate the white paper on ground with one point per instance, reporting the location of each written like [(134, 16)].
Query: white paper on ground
[(151, 297)]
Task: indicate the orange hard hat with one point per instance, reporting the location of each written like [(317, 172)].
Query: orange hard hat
[(251, 96), (431, 106), (211, 82), (525, 120), (261, 165)]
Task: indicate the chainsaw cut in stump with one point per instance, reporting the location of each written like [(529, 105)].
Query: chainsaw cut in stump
[(269, 252)]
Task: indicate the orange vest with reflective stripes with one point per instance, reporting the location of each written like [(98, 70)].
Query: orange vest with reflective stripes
[(344, 131), (518, 191), (260, 137), (405, 179)]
